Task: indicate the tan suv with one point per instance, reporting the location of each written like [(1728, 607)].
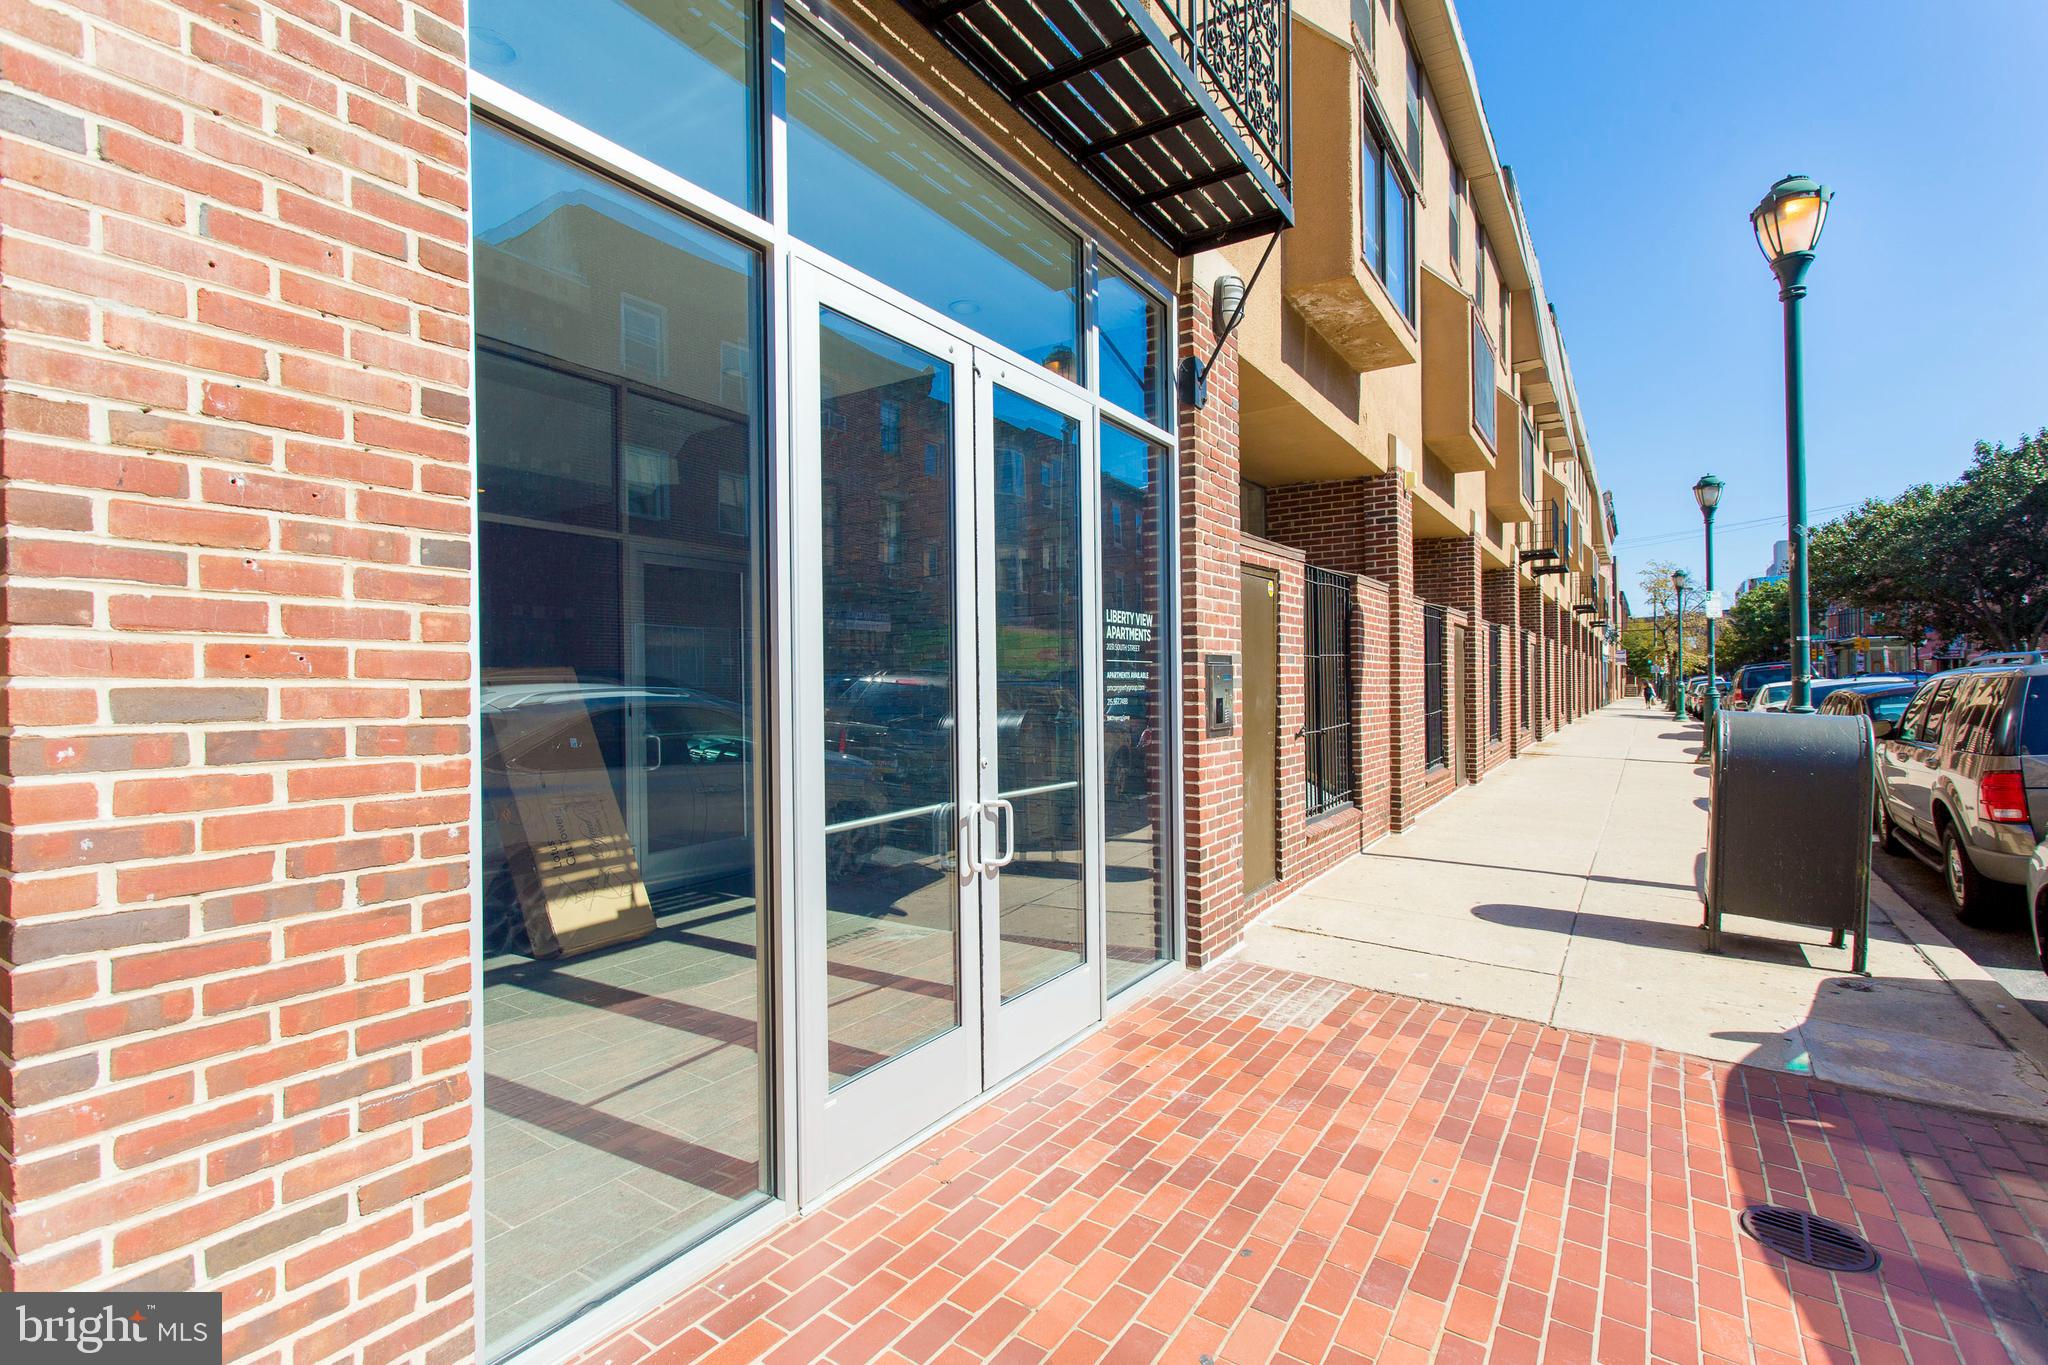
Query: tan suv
[(1962, 779)]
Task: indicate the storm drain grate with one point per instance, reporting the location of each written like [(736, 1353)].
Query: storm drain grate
[(1808, 1238)]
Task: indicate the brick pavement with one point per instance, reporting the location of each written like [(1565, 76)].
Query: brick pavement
[(1259, 1166)]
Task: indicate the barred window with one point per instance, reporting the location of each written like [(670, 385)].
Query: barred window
[(1326, 724), (1433, 688), (1527, 710), (1494, 660)]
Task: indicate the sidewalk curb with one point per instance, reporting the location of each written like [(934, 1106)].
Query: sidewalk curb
[(2004, 1015)]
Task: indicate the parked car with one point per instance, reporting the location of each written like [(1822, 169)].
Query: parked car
[(1962, 780), (1696, 694), (1882, 702), (1823, 688), (2037, 900), (1751, 677), (1772, 696)]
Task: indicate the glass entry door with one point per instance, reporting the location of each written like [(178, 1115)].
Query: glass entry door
[(946, 910)]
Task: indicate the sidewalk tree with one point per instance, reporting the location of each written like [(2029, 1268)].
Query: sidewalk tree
[(1755, 629), (1968, 557), (1650, 636)]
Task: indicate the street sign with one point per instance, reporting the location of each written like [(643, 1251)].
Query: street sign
[(1714, 610)]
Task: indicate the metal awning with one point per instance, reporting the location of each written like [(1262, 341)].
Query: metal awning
[(1202, 159)]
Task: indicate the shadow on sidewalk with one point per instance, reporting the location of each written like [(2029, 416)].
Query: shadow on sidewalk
[(1647, 933)]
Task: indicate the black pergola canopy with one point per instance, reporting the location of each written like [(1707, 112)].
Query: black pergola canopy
[(1188, 130)]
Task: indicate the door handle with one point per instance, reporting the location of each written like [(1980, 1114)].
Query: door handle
[(654, 741), (968, 828), (1009, 814)]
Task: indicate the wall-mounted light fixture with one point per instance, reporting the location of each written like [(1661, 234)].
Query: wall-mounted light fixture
[(1226, 310)]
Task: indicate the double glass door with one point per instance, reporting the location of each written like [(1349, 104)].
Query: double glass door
[(948, 896)]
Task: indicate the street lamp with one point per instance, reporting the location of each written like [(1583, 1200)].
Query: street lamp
[(1788, 224), (1678, 577), (1707, 493)]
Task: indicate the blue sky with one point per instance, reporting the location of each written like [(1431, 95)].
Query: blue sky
[(1642, 132)]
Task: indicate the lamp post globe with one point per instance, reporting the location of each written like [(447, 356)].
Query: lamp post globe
[(1788, 225), (1707, 493)]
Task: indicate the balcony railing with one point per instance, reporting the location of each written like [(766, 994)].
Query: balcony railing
[(1549, 538), (1178, 107), (1240, 50)]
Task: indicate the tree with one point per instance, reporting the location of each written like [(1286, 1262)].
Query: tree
[(1651, 636), (1756, 628), (1969, 557)]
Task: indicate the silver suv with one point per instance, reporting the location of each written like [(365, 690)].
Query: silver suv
[(1962, 779)]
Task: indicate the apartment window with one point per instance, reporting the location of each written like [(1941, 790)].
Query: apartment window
[(1364, 18), (1433, 688), (1415, 99), (1326, 724), (1485, 407), (890, 550), (1494, 681), (643, 337), (732, 504), (1387, 217), (735, 373), (931, 460), (1528, 461), (890, 414), (1458, 223), (1479, 267)]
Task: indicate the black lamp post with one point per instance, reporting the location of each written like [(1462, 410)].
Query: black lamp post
[(1678, 579), (1707, 493), (1788, 224)]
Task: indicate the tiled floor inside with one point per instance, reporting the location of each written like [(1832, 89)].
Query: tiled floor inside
[(1255, 1165)]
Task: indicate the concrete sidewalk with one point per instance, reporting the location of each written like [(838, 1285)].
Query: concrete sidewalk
[(1562, 889)]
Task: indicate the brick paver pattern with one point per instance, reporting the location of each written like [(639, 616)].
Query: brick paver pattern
[(1258, 1166)]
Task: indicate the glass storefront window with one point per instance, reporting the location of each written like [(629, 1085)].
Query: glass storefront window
[(624, 1025), (1129, 335), (878, 185), (1135, 739), (672, 80)]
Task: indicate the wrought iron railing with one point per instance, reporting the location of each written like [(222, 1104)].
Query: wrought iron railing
[(1434, 748), (1326, 720), (1240, 49)]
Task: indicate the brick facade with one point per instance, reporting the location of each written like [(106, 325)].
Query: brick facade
[(237, 663)]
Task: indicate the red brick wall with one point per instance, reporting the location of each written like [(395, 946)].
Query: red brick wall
[(1212, 767), (237, 511)]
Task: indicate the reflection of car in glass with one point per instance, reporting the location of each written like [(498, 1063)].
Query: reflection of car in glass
[(1882, 702), (902, 724), (1128, 726), (680, 764)]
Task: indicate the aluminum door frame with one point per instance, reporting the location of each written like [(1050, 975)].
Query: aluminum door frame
[(1037, 1022), (841, 1133)]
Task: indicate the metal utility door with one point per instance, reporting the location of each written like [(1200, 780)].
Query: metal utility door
[(1259, 689)]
